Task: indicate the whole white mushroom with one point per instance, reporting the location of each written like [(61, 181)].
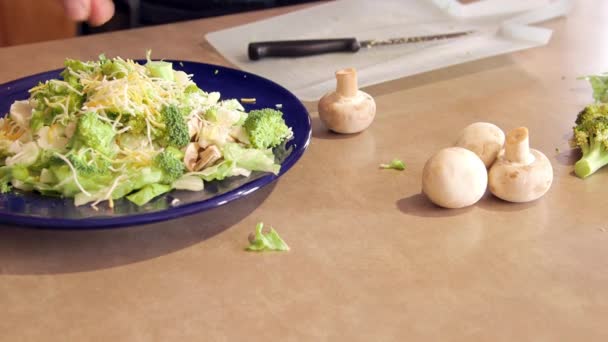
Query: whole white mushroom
[(484, 139), (520, 174), (454, 178), (348, 109)]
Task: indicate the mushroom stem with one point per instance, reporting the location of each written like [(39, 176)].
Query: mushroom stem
[(517, 146), (347, 82)]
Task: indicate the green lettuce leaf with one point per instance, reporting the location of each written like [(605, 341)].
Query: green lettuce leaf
[(251, 158), (218, 171), (26, 156), (137, 179), (191, 183), (160, 69), (148, 192)]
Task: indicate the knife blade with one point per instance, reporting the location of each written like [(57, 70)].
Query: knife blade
[(309, 47)]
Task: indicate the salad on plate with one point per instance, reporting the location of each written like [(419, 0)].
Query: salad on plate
[(114, 128)]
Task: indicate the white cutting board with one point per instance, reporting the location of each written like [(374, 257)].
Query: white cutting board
[(502, 26)]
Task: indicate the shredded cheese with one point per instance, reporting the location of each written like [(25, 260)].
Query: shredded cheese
[(248, 100)]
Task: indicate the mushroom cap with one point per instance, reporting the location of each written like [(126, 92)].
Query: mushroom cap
[(347, 114), (484, 139), (454, 178), (518, 182)]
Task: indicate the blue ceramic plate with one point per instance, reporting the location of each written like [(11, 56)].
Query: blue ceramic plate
[(32, 209)]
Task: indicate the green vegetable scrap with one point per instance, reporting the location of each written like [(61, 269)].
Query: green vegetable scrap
[(395, 164), (599, 84), (269, 241)]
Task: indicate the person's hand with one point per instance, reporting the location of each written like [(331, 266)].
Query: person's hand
[(95, 12)]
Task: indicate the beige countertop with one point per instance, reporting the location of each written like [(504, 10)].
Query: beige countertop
[(371, 258)]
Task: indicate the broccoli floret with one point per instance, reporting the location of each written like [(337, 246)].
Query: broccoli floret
[(176, 132), (88, 163), (138, 125), (591, 112), (266, 128), (77, 67), (114, 69), (94, 133), (591, 135), (53, 98), (171, 164)]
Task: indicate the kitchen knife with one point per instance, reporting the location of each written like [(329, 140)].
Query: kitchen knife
[(308, 47)]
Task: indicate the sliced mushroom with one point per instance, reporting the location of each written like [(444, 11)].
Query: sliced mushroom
[(208, 157), (194, 126), (190, 156)]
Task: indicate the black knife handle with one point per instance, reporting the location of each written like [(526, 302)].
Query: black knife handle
[(298, 48)]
